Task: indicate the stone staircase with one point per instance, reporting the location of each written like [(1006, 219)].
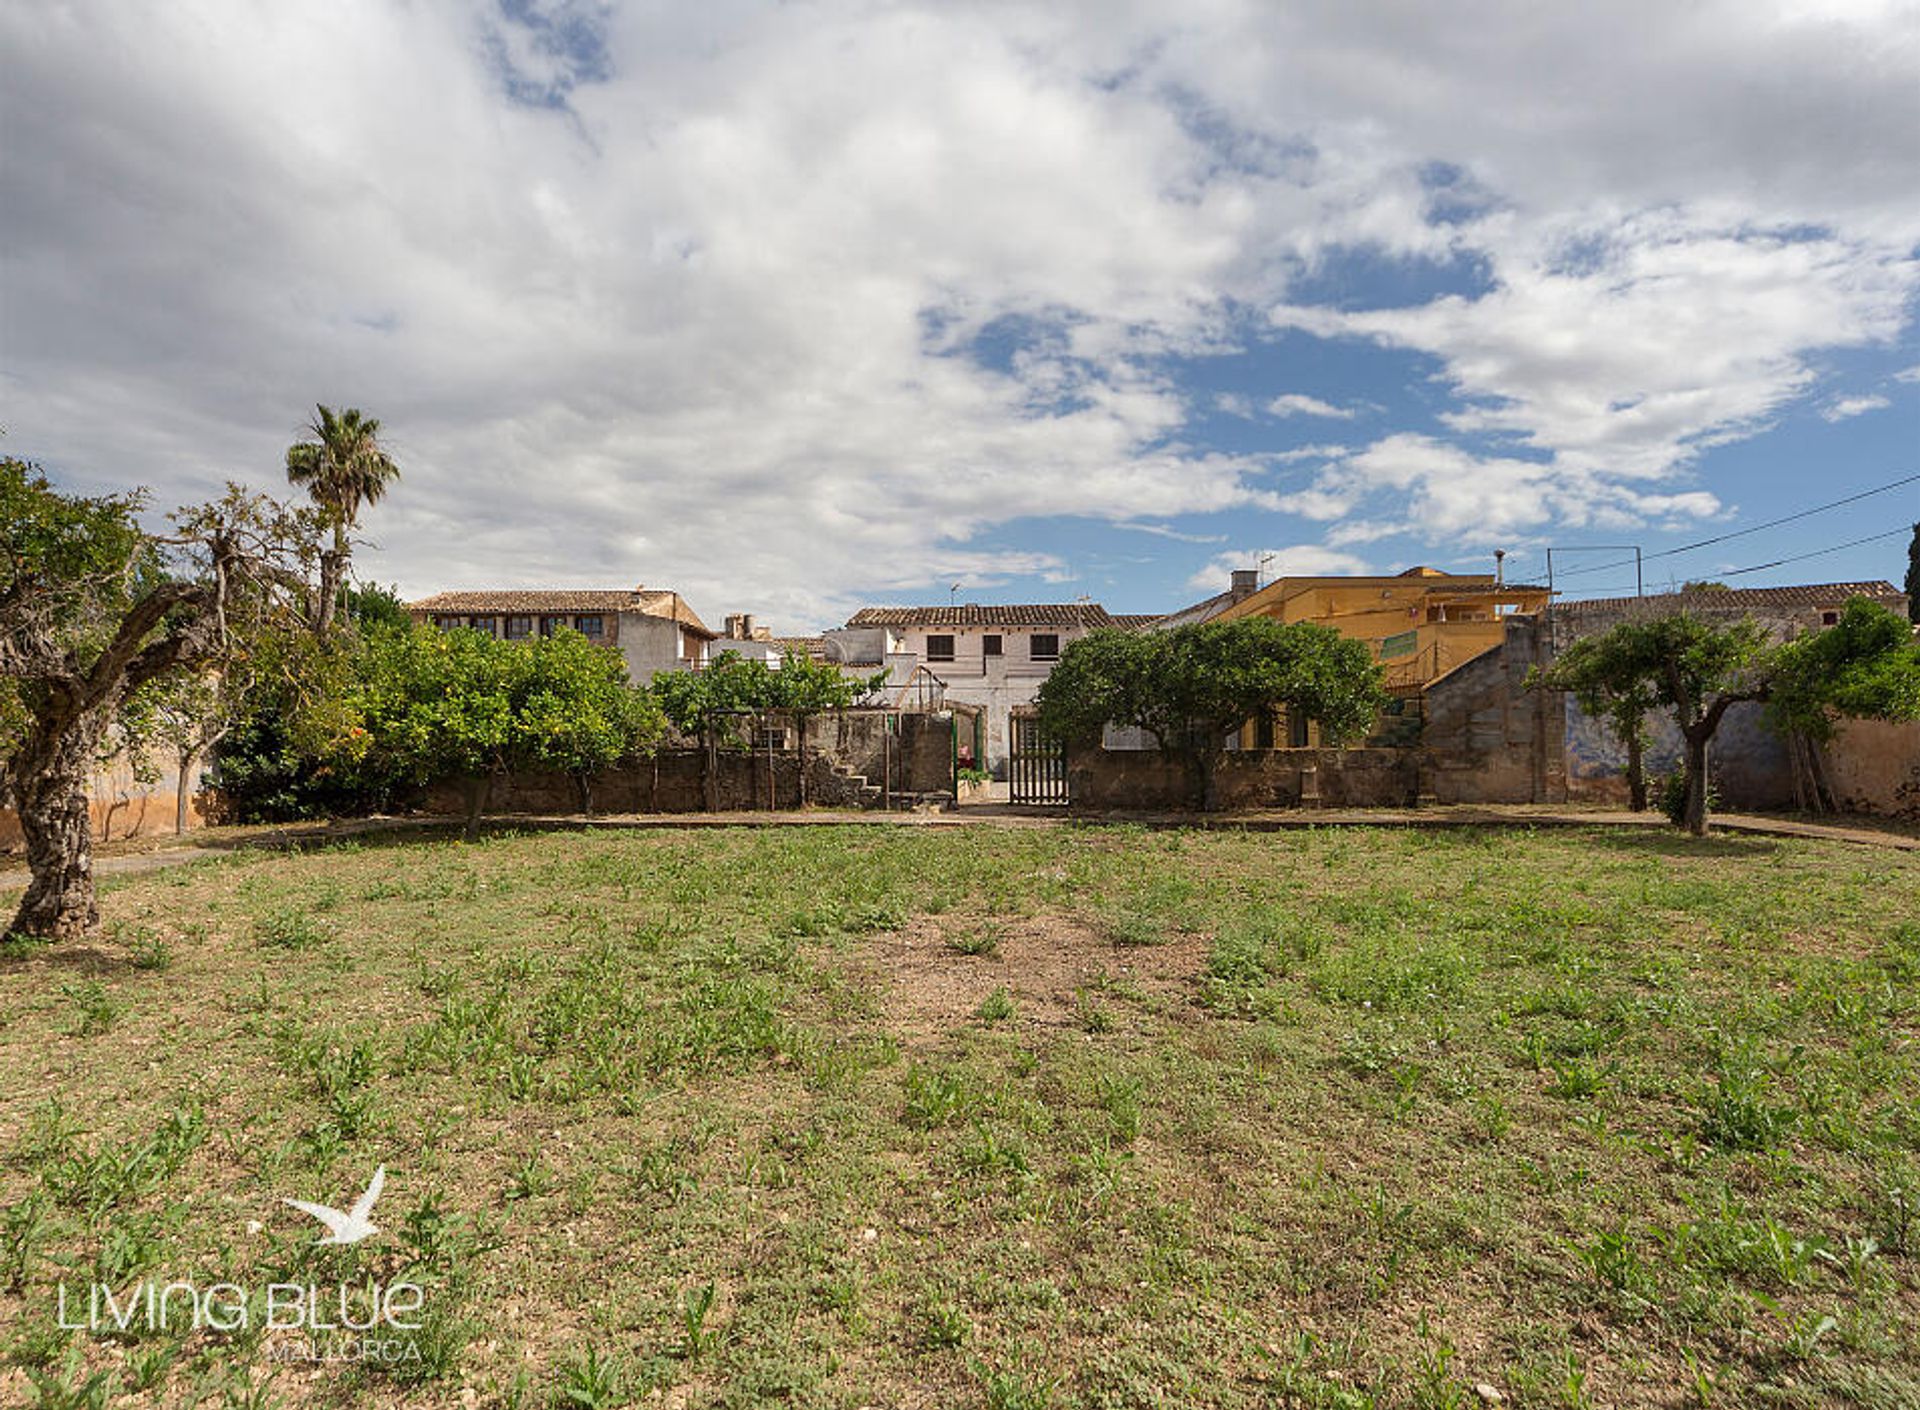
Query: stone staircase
[(856, 790)]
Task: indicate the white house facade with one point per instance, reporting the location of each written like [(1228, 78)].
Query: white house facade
[(991, 656)]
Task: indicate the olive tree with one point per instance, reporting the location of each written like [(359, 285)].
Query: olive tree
[(95, 607), (1866, 666), (1590, 671)]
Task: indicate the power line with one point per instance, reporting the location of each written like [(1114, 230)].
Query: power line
[(1778, 562), (1757, 528), (1817, 553)]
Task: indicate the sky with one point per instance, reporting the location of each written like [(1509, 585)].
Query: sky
[(800, 307)]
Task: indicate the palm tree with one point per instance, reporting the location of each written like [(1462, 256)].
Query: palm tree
[(342, 467)]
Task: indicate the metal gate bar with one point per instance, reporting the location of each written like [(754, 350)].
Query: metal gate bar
[(1036, 765)]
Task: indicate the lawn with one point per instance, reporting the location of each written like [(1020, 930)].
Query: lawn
[(1007, 1118)]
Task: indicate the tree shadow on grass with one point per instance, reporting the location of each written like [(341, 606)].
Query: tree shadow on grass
[(1671, 842), (85, 956)]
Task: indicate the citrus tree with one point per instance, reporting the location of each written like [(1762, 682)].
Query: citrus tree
[(433, 705)]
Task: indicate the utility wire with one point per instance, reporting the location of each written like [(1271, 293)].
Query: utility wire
[(1817, 553), (1741, 533), (1780, 562)]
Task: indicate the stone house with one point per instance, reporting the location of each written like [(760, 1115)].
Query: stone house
[(653, 629)]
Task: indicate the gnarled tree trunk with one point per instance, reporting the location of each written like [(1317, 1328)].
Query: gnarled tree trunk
[(50, 795), (1695, 817), (181, 792), (1636, 774)]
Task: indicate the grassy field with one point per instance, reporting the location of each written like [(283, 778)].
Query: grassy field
[(1072, 1117)]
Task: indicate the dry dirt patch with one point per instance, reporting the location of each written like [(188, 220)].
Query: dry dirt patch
[(929, 987)]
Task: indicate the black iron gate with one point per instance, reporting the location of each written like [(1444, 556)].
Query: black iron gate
[(1036, 764)]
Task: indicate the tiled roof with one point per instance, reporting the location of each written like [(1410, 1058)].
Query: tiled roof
[(653, 602), (1134, 621), (1204, 611), (531, 601), (1799, 595), (1487, 589), (973, 614)]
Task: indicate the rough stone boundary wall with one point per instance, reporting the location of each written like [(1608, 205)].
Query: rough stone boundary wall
[(1102, 780), (1874, 767), (844, 752)]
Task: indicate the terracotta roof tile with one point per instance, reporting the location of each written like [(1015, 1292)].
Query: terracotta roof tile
[(1797, 595), (973, 614), (653, 602)]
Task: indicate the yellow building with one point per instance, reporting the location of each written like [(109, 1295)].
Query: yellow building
[(1419, 624)]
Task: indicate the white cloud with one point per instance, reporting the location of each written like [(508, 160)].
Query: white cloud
[(705, 319), (1908, 374), (1449, 495), (1845, 408), (1302, 560), (1299, 404), (1167, 531), (1313, 452), (1672, 337)]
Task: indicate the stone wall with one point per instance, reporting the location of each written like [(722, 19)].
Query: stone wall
[(123, 804), (1874, 767), (917, 757), (1118, 780), (1487, 739), (671, 782), (849, 753)]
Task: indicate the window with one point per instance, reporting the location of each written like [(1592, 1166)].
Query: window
[(1045, 646), (772, 737), (519, 628), (940, 648), (550, 625), (588, 626), (1829, 619), (483, 625), (446, 624), (990, 645)]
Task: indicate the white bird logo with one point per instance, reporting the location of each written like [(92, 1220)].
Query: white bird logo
[(354, 1225)]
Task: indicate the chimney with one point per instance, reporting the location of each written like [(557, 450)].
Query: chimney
[(1500, 567), (1245, 583), (746, 626)]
